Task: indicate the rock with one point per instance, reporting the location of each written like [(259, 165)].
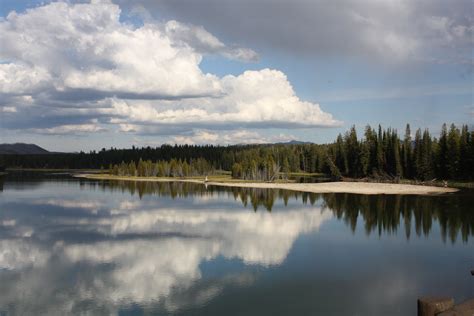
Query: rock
[(431, 306), (463, 309)]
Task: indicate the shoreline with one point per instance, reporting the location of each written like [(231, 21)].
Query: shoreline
[(368, 188)]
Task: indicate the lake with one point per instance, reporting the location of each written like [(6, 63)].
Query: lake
[(77, 246)]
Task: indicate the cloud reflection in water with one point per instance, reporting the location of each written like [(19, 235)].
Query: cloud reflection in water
[(142, 254)]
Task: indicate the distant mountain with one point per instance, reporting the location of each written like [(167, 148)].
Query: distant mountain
[(294, 142), (291, 142), (21, 149)]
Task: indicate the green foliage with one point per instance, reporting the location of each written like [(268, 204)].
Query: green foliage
[(454, 150), (286, 168), (407, 153), (378, 154), (172, 168), (236, 170), (442, 157), (334, 170)]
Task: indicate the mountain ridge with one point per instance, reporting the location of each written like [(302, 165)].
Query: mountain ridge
[(21, 149)]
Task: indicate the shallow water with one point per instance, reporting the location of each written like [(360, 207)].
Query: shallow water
[(70, 246)]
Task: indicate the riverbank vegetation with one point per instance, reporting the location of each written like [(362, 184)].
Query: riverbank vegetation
[(162, 168), (379, 154)]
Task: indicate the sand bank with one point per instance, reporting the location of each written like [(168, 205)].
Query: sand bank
[(327, 187)]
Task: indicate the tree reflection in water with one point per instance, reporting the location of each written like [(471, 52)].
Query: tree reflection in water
[(380, 213)]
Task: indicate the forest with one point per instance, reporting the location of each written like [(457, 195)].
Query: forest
[(377, 154)]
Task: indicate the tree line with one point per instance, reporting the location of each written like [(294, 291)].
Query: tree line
[(378, 153), (162, 168)]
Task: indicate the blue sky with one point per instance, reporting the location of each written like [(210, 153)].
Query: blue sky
[(239, 71)]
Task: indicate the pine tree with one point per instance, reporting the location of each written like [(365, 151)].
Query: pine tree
[(396, 154), (380, 152), (365, 159), (353, 152), (469, 173), (417, 153), (426, 167), (370, 151), (286, 168), (464, 150), (407, 153), (340, 155), (442, 154), (453, 152)]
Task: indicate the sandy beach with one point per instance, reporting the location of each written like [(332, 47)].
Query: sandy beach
[(326, 187)]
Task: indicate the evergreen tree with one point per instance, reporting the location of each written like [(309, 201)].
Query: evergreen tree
[(454, 153), (442, 154), (370, 151), (417, 153), (464, 150), (341, 156), (353, 152), (469, 173), (426, 158), (286, 168), (380, 152), (407, 153), (396, 155)]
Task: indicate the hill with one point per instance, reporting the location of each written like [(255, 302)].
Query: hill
[(21, 149), (294, 142)]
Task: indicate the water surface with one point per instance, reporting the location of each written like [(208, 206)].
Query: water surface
[(72, 246)]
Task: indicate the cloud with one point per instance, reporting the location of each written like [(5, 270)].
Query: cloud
[(18, 254), (375, 31), (70, 129), (91, 206), (145, 254), (78, 68), (8, 109), (262, 98), (18, 79), (203, 137), (85, 46), (204, 42)]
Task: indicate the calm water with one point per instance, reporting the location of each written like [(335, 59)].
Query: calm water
[(70, 246)]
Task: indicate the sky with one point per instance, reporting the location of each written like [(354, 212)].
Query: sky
[(83, 75)]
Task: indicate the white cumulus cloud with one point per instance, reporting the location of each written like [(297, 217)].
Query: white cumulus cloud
[(77, 68)]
